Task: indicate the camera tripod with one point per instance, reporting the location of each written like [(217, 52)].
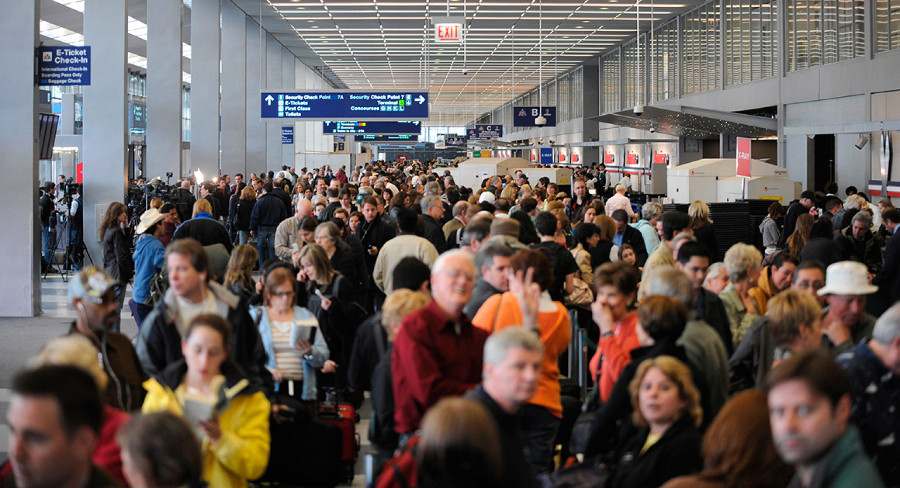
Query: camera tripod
[(66, 253)]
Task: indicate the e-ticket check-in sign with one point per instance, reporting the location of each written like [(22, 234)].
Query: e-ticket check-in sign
[(64, 65)]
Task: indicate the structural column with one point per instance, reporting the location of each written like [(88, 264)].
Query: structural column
[(590, 107), (105, 126), (287, 82), (21, 243), (164, 68), (234, 88), (273, 82), (256, 81), (205, 45)]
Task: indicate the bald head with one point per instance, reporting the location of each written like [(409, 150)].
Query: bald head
[(304, 208)]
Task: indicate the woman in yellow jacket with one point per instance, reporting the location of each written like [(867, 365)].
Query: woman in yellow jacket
[(212, 394), (541, 417)]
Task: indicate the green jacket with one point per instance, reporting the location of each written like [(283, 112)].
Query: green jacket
[(845, 465)]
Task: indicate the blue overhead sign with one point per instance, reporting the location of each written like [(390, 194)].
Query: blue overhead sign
[(546, 155), (373, 127), (344, 105), (385, 137), (64, 65), (524, 116), (456, 141), (486, 132), (287, 135)]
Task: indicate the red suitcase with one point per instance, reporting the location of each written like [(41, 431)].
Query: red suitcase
[(344, 416)]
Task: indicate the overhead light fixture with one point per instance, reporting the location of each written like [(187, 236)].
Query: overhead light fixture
[(540, 120), (862, 141)]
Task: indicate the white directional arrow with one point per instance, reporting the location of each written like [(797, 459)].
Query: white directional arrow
[(269, 100), (421, 99)]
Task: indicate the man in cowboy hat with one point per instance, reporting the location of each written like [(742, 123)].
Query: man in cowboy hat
[(149, 258), (844, 320)]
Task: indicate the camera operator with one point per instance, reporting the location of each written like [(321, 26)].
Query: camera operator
[(184, 201), (76, 226), (48, 225)]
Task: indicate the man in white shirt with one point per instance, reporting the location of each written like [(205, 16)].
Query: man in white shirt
[(619, 201)]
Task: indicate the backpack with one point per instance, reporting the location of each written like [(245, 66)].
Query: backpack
[(401, 470)]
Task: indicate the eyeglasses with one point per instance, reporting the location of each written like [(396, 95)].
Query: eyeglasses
[(454, 274), (282, 294), (816, 285)]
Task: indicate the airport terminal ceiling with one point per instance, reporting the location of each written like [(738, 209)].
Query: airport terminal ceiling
[(373, 44)]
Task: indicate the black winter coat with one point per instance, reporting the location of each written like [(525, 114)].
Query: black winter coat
[(676, 453), (117, 255)]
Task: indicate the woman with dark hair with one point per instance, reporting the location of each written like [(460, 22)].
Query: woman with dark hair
[(226, 410), (459, 446), (400, 200), (117, 252), (169, 223), (586, 236), (616, 320), (605, 251), (769, 228), (738, 449), (541, 417), (527, 232), (667, 411), (239, 273), (821, 246), (243, 210), (798, 239), (159, 450)]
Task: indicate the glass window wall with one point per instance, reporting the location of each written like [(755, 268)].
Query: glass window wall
[(700, 49), (611, 68), (664, 62), (751, 33), (887, 25), (825, 31)]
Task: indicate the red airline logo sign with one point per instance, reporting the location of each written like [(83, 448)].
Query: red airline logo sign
[(743, 157)]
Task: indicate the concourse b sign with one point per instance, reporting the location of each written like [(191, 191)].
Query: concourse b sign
[(344, 105)]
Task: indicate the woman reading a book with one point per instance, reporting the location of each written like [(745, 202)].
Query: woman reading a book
[(290, 335), (230, 416)]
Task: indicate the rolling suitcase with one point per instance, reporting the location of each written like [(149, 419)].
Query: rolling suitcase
[(306, 452), (343, 415)]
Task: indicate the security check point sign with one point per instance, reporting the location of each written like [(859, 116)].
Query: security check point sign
[(64, 65), (743, 157)]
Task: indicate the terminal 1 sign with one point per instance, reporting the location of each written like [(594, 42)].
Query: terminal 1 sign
[(344, 105)]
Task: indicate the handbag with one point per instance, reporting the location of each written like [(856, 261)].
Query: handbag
[(585, 423), (592, 473), (581, 296)]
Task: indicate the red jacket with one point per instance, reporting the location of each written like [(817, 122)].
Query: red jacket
[(430, 361)]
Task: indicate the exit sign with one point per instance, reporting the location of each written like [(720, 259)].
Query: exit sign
[(448, 29)]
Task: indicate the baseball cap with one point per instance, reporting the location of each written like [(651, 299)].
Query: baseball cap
[(91, 284)]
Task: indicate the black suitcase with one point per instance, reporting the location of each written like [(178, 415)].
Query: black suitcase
[(304, 453)]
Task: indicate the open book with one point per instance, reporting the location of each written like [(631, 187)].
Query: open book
[(301, 332)]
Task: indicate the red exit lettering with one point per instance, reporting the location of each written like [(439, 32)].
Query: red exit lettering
[(448, 32)]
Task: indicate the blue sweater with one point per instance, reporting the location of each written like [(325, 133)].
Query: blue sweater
[(149, 257)]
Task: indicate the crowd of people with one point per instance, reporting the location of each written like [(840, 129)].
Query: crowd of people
[(454, 307)]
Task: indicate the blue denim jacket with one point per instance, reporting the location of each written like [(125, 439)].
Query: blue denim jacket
[(319, 353)]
